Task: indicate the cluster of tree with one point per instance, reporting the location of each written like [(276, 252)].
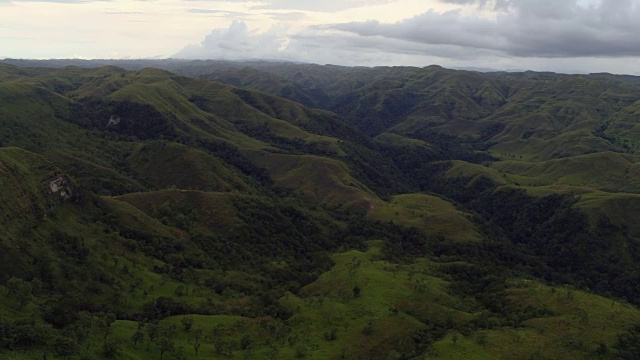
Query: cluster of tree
[(130, 120), (375, 111), (295, 146), (230, 154), (544, 237), (458, 148), (627, 347)]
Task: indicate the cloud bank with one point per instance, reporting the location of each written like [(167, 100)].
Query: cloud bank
[(522, 28), (567, 35)]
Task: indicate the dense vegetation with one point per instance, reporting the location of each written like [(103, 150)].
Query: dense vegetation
[(384, 213)]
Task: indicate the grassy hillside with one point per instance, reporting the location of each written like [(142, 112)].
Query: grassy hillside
[(324, 180), (435, 216), (608, 171)]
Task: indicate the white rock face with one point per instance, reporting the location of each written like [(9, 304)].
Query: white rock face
[(114, 120), (59, 184)]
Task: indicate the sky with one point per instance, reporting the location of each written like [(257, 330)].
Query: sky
[(570, 36)]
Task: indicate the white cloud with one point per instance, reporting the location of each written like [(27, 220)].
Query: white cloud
[(237, 42)]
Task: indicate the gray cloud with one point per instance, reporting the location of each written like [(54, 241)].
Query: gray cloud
[(522, 28), (331, 42)]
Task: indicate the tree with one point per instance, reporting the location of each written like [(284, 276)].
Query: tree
[(196, 345), (356, 291), (187, 322), (64, 347), (12, 284), (222, 347), (7, 338), (137, 336), (108, 319), (20, 290), (152, 332), (82, 326), (180, 290), (61, 311), (165, 344), (165, 338), (111, 348), (331, 335), (245, 342), (197, 335)]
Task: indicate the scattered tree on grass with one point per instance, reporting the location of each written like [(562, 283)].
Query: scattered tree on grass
[(138, 336), (111, 348), (141, 323), (165, 339), (196, 346), (152, 332), (165, 344), (197, 335), (222, 347), (357, 291), (106, 321), (187, 323)]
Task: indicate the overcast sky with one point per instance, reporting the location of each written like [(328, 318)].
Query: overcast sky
[(550, 35)]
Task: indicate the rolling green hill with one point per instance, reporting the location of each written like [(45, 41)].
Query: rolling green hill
[(274, 211)]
